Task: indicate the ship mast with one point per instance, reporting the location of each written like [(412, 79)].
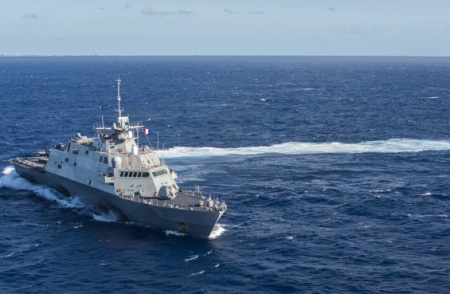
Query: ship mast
[(119, 110)]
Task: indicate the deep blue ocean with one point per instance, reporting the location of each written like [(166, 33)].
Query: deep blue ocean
[(335, 170)]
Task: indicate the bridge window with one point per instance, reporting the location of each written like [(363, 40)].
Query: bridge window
[(159, 173), (126, 174)]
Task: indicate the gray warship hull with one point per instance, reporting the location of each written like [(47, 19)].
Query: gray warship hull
[(113, 171), (153, 213)]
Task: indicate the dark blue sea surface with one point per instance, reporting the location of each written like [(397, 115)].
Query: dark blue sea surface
[(336, 172)]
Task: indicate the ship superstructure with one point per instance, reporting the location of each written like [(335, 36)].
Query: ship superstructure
[(112, 170)]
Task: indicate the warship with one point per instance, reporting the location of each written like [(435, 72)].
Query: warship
[(112, 171)]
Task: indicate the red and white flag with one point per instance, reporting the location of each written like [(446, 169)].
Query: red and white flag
[(145, 131)]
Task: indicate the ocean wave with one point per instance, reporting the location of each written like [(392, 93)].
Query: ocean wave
[(293, 148)]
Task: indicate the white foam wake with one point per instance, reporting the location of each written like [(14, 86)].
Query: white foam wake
[(217, 231), (174, 233), (105, 217), (385, 146), (12, 180)]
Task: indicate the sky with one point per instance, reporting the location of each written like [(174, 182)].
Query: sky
[(225, 27)]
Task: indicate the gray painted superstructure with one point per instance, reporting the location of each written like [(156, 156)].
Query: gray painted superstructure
[(114, 172)]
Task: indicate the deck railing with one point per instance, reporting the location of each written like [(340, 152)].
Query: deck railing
[(218, 204)]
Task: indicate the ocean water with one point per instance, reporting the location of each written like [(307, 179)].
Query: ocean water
[(336, 172)]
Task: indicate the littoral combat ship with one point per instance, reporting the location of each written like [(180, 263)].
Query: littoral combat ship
[(114, 172)]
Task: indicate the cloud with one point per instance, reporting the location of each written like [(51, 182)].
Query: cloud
[(185, 12), (332, 9), (156, 12), (358, 31), (102, 8), (229, 11), (416, 30), (30, 15), (127, 6)]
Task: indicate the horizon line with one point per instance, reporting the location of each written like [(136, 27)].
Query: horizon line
[(214, 55)]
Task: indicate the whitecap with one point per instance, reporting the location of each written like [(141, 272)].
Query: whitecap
[(7, 255), (193, 257), (197, 273), (103, 263)]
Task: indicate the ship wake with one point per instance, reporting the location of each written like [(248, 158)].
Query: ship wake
[(294, 148), (217, 231), (12, 180)]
